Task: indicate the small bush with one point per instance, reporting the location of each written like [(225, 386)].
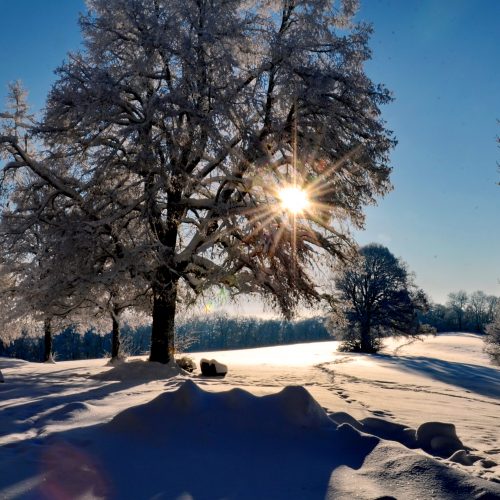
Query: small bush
[(186, 363), (355, 346)]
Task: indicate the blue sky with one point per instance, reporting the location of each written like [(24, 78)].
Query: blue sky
[(441, 59)]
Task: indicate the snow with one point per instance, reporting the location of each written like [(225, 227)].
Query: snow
[(290, 422)]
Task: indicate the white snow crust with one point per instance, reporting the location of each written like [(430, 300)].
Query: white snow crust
[(291, 422)]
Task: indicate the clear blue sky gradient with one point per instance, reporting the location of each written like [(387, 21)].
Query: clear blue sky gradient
[(441, 59)]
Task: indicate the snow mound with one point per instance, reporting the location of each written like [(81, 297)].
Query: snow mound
[(464, 458), (291, 408), (439, 438), (68, 412), (116, 361), (139, 370), (403, 474), (381, 428), (283, 446)]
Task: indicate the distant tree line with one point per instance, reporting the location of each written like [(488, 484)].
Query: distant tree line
[(217, 332), (462, 312), (223, 332)]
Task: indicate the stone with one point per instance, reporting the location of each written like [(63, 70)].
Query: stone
[(212, 368)]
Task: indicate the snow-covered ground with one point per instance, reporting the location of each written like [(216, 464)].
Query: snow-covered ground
[(289, 422)]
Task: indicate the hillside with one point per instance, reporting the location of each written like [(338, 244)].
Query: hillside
[(80, 429)]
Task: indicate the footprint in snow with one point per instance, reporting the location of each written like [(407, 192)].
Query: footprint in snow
[(493, 451), (382, 413)]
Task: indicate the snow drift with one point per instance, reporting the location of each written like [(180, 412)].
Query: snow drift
[(192, 444), (80, 429)]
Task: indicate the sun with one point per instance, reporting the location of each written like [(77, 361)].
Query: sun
[(294, 199)]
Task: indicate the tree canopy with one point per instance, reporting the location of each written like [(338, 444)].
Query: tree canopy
[(167, 139), (376, 297)]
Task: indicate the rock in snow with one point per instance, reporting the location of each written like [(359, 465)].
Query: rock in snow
[(212, 368), (139, 370)]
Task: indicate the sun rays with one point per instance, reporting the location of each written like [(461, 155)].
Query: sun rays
[(299, 204), (294, 199), (290, 207)]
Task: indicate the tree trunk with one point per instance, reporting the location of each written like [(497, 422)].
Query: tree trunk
[(47, 330), (366, 341), (115, 337), (162, 332)]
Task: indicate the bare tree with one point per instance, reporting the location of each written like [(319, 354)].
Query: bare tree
[(492, 303), (457, 301), (480, 308), (185, 119), (375, 297)]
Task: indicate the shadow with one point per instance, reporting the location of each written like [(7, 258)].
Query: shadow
[(215, 447), (481, 380), (43, 403), (6, 363)]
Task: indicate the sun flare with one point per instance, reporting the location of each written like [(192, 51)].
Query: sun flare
[(294, 199)]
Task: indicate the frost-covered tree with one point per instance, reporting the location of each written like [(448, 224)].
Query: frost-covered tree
[(61, 275), (184, 119), (22, 242), (38, 297), (59, 272), (375, 297), (492, 339)]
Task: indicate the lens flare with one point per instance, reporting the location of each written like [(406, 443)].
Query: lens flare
[(294, 199)]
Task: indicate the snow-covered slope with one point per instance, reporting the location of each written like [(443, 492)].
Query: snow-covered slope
[(138, 430)]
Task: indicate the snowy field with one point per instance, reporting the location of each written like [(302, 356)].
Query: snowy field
[(291, 422)]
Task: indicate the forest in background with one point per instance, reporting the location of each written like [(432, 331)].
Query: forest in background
[(211, 333), (462, 312)]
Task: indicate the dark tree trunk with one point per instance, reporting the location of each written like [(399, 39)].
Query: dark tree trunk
[(47, 340), (165, 284), (115, 337), (366, 340), (163, 330)]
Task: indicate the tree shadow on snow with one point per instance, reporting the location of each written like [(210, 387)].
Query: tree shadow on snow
[(44, 404), (481, 380)]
